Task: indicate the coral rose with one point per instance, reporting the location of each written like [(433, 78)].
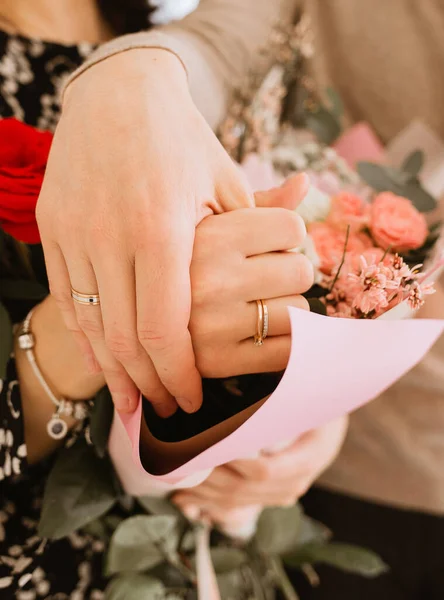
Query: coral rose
[(347, 209), (330, 241), (395, 223)]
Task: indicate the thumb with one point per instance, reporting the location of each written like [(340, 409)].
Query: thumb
[(289, 195)]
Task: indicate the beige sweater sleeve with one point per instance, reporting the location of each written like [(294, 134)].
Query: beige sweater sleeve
[(218, 44)]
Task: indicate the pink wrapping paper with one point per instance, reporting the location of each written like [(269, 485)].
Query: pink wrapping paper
[(336, 365)]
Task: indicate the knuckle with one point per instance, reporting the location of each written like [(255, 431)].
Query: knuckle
[(61, 296), (90, 326), (122, 346), (151, 336)]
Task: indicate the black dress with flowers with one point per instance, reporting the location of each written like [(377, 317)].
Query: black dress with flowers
[(32, 73)]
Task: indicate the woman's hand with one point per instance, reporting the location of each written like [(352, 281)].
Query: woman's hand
[(133, 169), (272, 480), (236, 261)]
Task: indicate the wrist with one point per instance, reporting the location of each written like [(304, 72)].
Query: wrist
[(58, 356), (136, 70)]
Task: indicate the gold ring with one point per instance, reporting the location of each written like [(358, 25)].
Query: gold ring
[(262, 323), (89, 299)]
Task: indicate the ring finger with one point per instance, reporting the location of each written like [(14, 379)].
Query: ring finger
[(278, 316)]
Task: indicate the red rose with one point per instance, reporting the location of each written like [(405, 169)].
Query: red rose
[(23, 156)]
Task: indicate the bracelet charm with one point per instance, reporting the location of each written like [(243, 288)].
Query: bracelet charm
[(56, 427)]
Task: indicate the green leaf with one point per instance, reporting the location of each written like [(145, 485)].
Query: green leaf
[(142, 542), (80, 488), (227, 559), (23, 289), (101, 420), (231, 586), (312, 531), (375, 176), (97, 529), (324, 125), (413, 163), (397, 177), (346, 557), (159, 506), (382, 179), (316, 306), (420, 198), (6, 340), (135, 587), (278, 530)]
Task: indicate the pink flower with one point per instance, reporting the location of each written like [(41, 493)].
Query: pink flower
[(347, 209), (395, 223), (330, 242), (416, 294)]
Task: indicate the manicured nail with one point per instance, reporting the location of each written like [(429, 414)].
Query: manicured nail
[(122, 403), (187, 405)]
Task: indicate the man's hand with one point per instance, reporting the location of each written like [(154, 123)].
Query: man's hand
[(272, 480), (133, 169)]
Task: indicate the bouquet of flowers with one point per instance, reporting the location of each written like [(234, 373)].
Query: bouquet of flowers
[(152, 550)]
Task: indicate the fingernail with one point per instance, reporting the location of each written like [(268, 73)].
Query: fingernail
[(187, 405), (123, 403)]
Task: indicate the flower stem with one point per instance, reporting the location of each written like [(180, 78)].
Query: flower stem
[(341, 264), (282, 579)]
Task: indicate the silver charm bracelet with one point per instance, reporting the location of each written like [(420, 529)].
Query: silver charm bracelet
[(57, 428)]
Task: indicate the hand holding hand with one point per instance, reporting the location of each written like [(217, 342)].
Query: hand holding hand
[(133, 169)]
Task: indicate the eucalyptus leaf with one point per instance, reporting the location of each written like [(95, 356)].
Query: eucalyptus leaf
[(101, 420), (312, 531), (382, 179), (324, 125), (142, 542), (421, 199), (23, 289), (159, 506), (397, 177), (80, 488), (414, 163), (278, 530), (231, 586), (346, 557), (6, 340), (135, 587), (227, 559), (375, 176)]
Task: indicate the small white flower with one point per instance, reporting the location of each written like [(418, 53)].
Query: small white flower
[(287, 155), (315, 206)]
